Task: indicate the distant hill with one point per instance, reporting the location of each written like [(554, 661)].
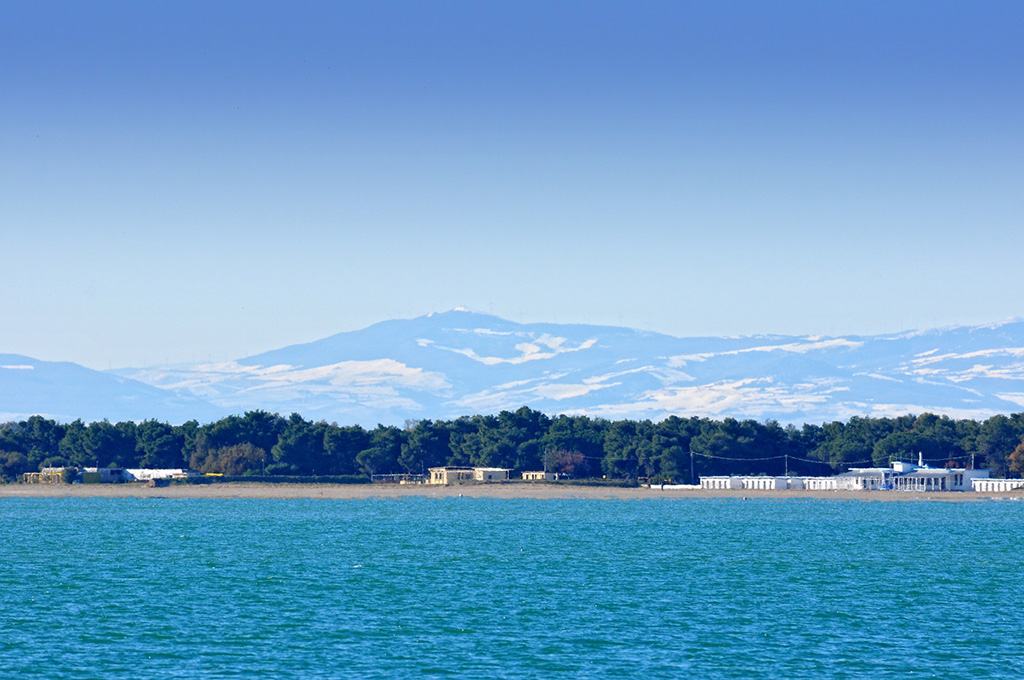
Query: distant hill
[(66, 391), (457, 363)]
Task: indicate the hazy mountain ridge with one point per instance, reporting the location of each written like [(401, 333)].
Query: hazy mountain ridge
[(66, 391), (455, 363)]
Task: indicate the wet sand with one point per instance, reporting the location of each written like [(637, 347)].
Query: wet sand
[(506, 490)]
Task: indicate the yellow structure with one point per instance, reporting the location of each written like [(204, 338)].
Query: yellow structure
[(47, 476)]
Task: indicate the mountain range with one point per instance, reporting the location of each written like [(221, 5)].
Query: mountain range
[(445, 365)]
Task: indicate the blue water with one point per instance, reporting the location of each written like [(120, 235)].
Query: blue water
[(126, 588)]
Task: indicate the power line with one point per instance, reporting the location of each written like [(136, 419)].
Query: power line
[(789, 456)]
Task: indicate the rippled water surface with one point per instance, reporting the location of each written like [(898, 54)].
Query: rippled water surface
[(510, 588)]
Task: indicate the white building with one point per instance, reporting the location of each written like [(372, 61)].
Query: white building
[(899, 476), (864, 479), (146, 474), (905, 476), (921, 477)]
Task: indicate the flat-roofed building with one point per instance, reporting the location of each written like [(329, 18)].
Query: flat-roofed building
[(91, 475), (921, 477), (488, 474), (450, 474), (865, 479), (454, 474), (539, 475)]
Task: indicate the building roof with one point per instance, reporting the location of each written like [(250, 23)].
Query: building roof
[(931, 472)]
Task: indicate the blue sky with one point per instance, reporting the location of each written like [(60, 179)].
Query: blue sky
[(206, 180)]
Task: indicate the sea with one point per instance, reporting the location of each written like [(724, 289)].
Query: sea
[(498, 588)]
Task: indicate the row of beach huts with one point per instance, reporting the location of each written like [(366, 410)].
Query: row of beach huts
[(899, 476)]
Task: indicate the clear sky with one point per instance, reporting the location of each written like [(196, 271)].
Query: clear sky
[(206, 180)]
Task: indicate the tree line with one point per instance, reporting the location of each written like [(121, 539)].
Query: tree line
[(675, 449)]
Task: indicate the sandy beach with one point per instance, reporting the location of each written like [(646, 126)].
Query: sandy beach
[(510, 490)]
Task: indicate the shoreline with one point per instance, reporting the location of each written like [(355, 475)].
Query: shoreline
[(282, 491)]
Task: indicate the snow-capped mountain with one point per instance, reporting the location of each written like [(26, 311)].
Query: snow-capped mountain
[(458, 363)]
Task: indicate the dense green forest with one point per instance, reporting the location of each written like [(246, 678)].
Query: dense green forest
[(261, 443)]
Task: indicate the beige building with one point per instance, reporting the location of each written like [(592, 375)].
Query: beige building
[(453, 474), (449, 474), (491, 474), (539, 475)]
